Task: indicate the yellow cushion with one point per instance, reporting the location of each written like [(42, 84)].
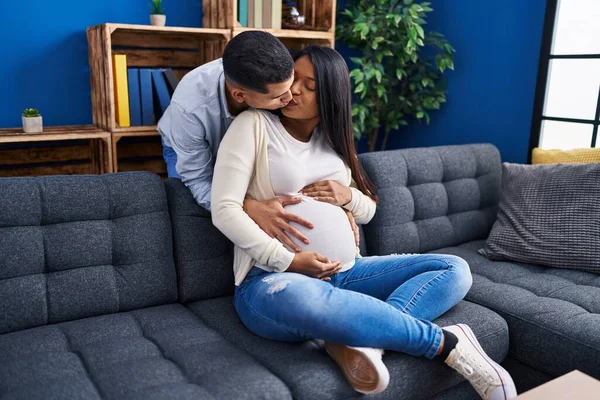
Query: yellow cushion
[(575, 156)]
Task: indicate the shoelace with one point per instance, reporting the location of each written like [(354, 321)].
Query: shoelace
[(481, 381)]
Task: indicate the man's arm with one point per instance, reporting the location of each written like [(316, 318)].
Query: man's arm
[(194, 155)]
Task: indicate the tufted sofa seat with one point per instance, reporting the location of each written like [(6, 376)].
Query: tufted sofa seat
[(444, 200), (553, 314)]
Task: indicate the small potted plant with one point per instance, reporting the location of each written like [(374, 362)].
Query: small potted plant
[(32, 121), (157, 13)]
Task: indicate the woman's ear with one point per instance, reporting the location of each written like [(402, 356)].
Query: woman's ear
[(238, 95)]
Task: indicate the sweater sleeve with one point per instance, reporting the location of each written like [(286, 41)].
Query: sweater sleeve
[(361, 206), (234, 169)]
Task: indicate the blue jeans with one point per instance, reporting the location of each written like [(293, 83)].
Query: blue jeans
[(383, 302), (171, 160)]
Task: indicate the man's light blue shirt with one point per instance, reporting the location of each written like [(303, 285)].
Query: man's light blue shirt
[(194, 125)]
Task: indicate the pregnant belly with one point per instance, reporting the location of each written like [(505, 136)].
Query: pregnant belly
[(332, 235)]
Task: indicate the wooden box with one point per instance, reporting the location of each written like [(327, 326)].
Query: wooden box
[(182, 49)]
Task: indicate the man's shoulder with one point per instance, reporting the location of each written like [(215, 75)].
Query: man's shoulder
[(200, 87)]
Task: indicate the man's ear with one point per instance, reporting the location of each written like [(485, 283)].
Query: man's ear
[(238, 95)]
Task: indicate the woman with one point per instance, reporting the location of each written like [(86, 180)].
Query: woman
[(327, 291)]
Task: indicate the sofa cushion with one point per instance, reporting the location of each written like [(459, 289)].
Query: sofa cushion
[(548, 215), (311, 374), (78, 246), (160, 352), (553, 314), (432, 197), (203, 255)]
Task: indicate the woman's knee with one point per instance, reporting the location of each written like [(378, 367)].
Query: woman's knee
[(462, 271)]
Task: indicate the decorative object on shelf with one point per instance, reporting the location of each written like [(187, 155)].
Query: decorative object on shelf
[(32, 121), (395, 78), (292, 19), (157, 13)]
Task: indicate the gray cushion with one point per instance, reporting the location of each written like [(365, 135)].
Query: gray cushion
[(203, 255), (311, 374), (549, 215), (432, 197), (553, 314), (78, 246), (155, 353)]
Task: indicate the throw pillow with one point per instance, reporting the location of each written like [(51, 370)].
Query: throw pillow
[(575, 156), (549, 215)]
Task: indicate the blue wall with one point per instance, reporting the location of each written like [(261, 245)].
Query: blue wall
[(45, 66), (490, 94)]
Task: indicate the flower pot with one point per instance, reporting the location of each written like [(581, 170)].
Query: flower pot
[(32, 124), (158, 19)]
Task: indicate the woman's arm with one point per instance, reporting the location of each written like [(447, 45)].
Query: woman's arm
[(361, 206), (234, 169)]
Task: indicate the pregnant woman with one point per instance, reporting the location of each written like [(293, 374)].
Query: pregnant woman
[(323, 289)]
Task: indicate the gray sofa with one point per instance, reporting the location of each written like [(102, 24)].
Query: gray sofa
[(119, 286)]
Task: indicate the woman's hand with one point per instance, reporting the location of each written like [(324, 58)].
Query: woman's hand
[(328, 192), (315, 265)]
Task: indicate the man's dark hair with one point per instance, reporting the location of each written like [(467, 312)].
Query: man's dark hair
[(254, 59)]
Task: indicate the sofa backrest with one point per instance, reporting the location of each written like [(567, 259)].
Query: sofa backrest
[(203, 255), (79, 246), (433, 197)]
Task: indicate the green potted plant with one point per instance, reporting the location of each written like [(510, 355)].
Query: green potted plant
[(400, 73), (32, 121), (157, 13)]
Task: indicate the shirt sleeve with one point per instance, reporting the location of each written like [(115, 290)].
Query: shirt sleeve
[(194, 155), (234, 169), (361, 206)]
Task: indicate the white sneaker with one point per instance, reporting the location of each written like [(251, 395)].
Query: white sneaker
[(362, 366), (489, 379)]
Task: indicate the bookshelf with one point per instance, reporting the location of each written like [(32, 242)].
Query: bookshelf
[(319, 25), (145, 46), (181, 49)]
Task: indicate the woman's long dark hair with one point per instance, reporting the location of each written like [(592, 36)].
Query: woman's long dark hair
[(334, 102)]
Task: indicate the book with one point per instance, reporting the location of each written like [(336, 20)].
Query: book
[(243, 13), (147, 98), (162, 98), (121, 90), (266, 14), (171, 79), (135, 101), (250, 13), (258, 13), (276, 11)]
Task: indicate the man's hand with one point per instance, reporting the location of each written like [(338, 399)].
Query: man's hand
[(272, 218), (354, 227), (315, 265), (328, 192)]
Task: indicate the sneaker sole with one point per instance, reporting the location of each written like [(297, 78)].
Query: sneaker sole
[(360, 371), (508, 386)]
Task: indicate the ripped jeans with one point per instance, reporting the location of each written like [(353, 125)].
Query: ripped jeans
[(384, 302)]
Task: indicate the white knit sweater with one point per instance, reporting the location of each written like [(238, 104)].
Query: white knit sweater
[(242, 169)]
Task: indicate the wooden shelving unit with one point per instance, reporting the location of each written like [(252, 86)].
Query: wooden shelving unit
[(181, 49), (146, 46), (86, 150), (319, 22)]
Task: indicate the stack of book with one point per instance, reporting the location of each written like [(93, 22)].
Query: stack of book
[(262, 14), (142, 95)]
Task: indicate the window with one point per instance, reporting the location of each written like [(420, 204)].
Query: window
[(567, 103)]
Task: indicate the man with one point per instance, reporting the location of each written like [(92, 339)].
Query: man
[(256, 71)]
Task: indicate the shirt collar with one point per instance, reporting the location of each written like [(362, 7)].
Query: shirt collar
[(223, 98)]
